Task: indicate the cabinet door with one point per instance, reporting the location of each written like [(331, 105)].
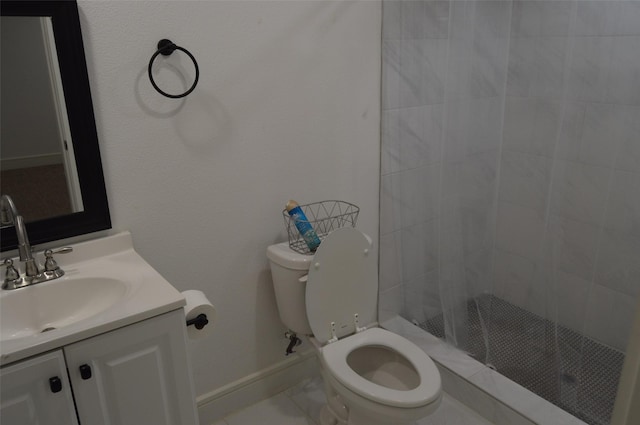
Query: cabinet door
[(37, 392), (136, 375)]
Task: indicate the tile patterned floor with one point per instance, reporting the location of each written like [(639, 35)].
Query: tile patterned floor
[(301, 405)]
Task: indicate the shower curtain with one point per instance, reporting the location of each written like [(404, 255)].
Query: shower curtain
[(510, 196)]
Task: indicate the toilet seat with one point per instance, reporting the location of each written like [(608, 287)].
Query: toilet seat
[(427, 391)]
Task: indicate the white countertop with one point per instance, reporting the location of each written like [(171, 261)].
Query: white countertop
[(146, 294)]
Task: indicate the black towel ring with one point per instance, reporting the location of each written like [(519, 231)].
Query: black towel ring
[(166, 47)]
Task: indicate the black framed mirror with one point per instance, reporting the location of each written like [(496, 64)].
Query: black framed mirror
[(92, 214)]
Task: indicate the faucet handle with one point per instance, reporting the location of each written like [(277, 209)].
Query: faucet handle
[(63, 250), (11, 276), (50, 264)]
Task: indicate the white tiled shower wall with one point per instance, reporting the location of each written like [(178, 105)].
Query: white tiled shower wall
[(444, 78), (511, 158), (571, 164)]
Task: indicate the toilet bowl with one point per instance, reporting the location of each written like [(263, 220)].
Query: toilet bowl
[(388, 378), (372, 376)]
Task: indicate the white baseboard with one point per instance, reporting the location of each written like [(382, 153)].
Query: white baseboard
[(30, 161), (258, 386)]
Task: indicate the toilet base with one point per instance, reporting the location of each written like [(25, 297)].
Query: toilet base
[(334, 412), (344, 408), (328, 418)]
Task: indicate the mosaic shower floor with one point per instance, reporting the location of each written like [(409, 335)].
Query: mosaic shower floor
[(567, 369)]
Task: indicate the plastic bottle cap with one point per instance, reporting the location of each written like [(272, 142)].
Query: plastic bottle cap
[(291, 205)]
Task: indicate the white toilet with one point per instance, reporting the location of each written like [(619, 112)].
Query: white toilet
[(372, 376)]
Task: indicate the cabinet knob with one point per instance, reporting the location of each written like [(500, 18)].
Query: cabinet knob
[(55, 384), (85, 371)]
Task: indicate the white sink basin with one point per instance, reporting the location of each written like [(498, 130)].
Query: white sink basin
[(53, 305), (106, 285)]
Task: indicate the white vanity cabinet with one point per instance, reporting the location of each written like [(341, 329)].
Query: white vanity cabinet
[(134, 375), (37, 391)]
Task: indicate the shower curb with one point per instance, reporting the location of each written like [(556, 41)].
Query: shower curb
[(493, 396)]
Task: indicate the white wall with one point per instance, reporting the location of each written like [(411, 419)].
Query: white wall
[(287, 107)]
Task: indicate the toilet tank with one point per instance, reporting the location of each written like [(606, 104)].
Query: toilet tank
[(287, 267)]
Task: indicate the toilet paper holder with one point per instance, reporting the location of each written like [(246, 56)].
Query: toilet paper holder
[(200, 321)]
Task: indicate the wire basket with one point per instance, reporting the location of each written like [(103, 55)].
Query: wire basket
[(324, 217)]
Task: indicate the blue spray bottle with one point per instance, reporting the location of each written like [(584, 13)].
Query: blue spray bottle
[(303, 225)]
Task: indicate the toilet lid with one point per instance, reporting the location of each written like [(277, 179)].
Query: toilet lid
[(343, 281)]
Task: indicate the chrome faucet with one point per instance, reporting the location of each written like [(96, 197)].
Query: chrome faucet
[(9, 215), (32, 274)]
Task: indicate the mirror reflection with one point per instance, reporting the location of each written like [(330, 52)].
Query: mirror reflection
[(39, 116), (37, 167)]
